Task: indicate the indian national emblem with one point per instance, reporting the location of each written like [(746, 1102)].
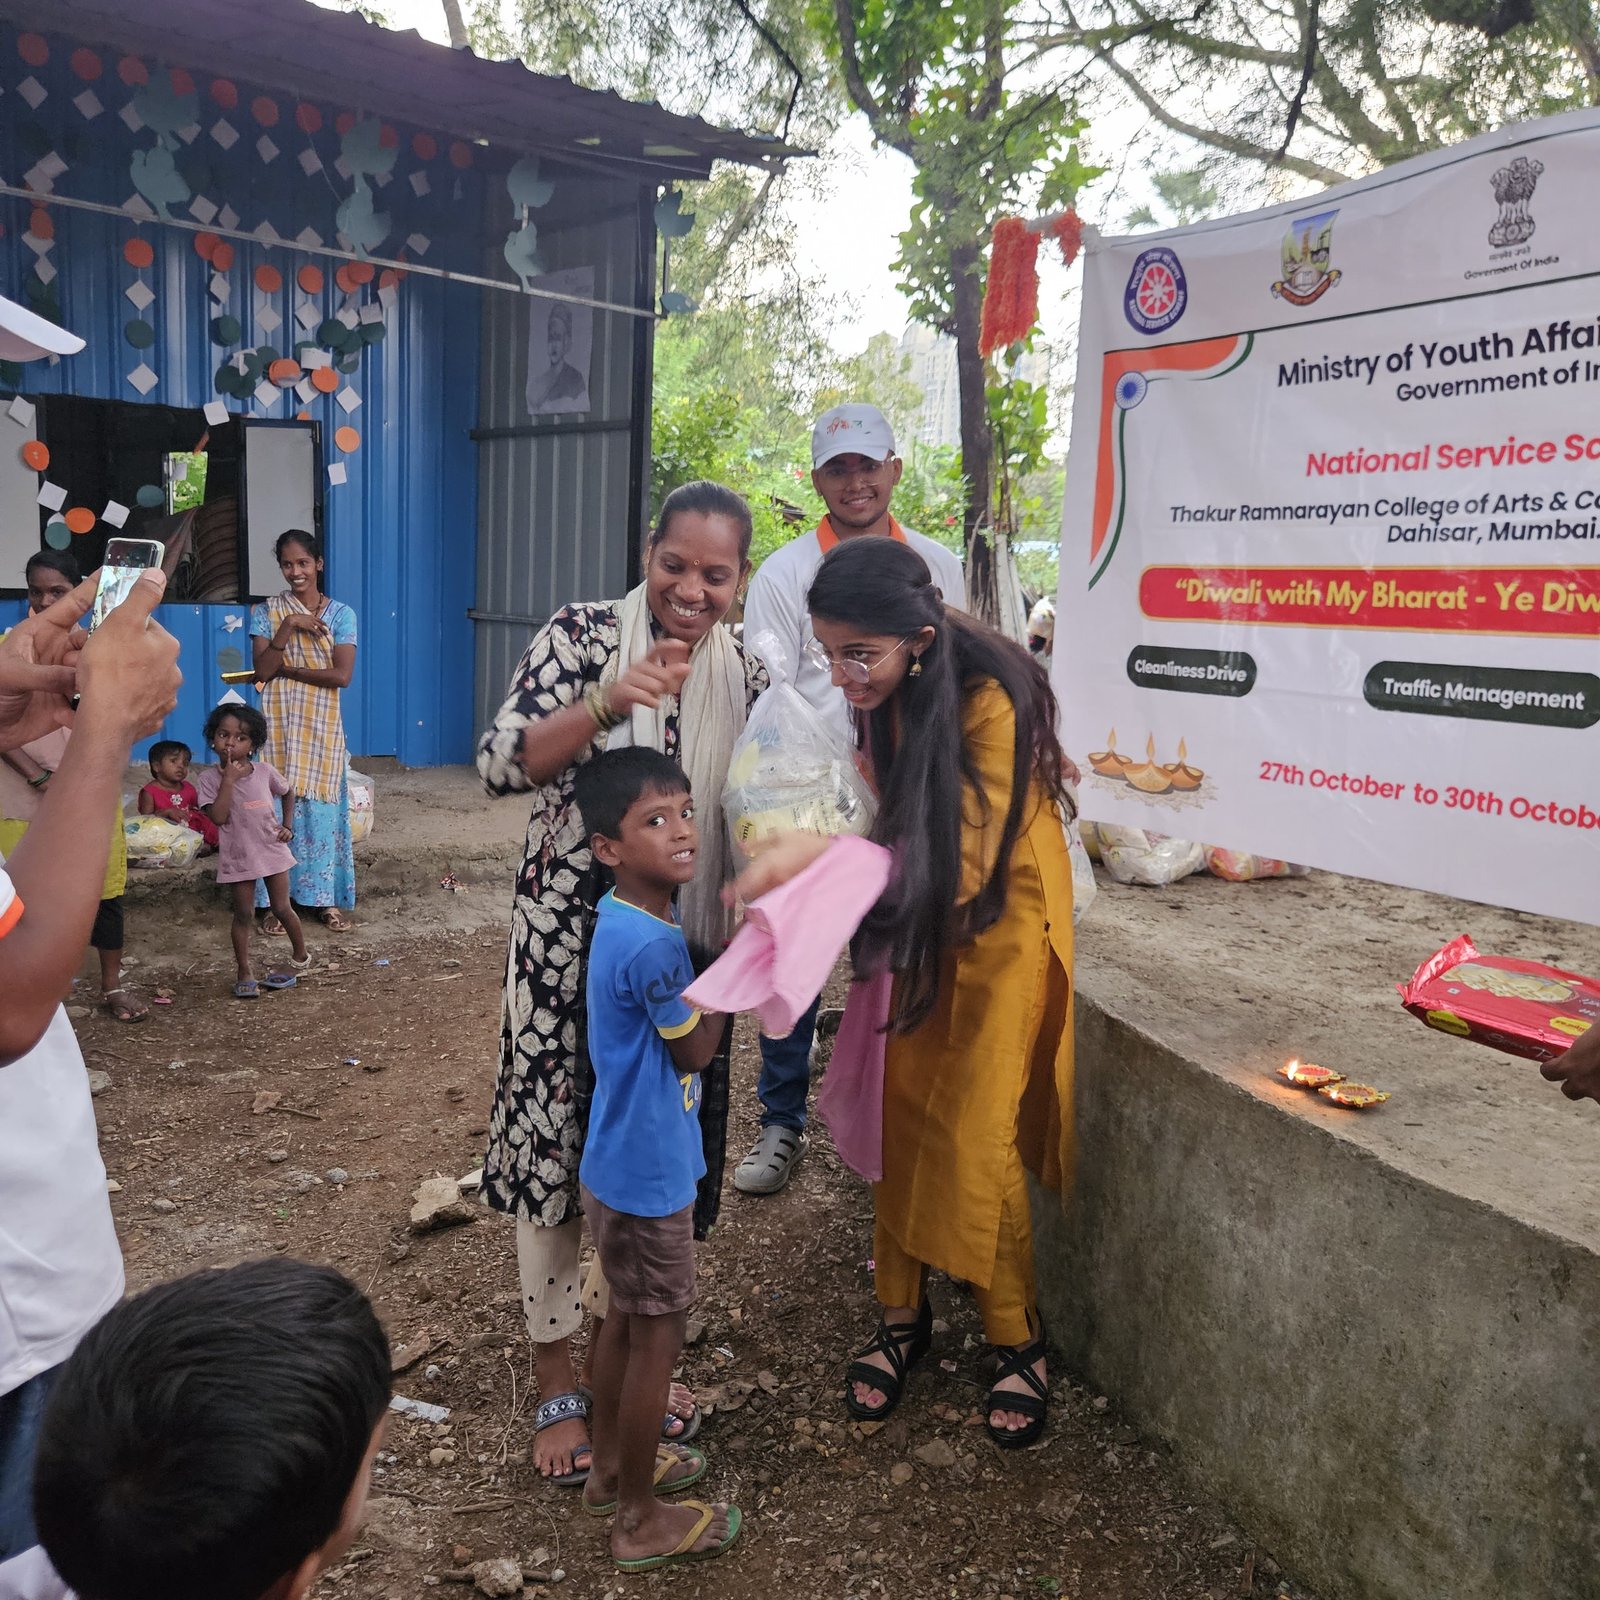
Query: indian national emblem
[(1307, 247), (1513, 187)]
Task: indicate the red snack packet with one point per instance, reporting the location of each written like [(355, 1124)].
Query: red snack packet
[(1520, 1007)]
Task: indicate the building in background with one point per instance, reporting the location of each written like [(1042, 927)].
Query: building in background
[(931, 370)]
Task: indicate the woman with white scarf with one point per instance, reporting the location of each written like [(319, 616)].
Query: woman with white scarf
[(657, 668)]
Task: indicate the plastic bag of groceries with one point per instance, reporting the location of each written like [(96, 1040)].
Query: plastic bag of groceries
[(1240, 866), (156, 842), (789, 769), (1135, 855), (363, 796)]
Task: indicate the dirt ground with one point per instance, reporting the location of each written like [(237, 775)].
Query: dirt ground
[(382, 1065)]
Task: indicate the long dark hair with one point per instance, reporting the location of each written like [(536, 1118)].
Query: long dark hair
[(923, 766)]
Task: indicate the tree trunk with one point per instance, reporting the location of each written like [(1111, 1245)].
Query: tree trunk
[(977, 441), (456, 24)]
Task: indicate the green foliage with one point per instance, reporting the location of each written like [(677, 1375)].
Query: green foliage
[(189, 491), (931, 494), (1185, 197)]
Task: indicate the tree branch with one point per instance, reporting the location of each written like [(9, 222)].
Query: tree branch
[(1308, 66), (776, 46), (890, 130), (1218, 140)]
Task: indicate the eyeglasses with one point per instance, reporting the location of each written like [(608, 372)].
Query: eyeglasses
[(837, 471), (856, 671)]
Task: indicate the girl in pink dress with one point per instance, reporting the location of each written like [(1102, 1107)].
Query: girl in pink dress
[(252, 843)]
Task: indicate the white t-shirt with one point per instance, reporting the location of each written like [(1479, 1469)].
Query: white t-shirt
[(777, 605), (60, 1266)]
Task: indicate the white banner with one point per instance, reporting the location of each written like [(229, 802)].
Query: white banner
[(1330, 564)]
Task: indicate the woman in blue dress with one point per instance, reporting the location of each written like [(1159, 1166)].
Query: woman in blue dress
[(305, 653)]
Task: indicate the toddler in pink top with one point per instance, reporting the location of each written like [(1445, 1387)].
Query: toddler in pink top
[(252, 842)]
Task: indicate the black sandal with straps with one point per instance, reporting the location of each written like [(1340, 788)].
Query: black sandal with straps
[(903, 1346), (1017, 1362)]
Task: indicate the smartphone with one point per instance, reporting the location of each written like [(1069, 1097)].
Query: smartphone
[(125, 560)]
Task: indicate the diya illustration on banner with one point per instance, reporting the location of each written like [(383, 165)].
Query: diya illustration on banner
[(1150, 777)]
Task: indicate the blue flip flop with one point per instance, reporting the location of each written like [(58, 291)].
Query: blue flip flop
[(281, 980), (247, 989)]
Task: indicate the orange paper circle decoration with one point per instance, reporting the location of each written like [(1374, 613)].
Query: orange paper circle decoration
[(138, 253), (325, 379), (346, 438), (80, 519), (36, 455)]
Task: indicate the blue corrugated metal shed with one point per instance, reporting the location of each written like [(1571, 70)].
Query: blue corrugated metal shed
[(402, 530)]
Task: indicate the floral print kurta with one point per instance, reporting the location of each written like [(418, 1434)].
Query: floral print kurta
[(535, 1127)]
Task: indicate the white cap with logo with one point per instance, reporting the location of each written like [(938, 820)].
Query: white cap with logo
[(851, 430), (26, 337)]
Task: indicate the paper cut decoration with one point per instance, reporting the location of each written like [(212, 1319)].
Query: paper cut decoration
[(138, 253), (266, 149), (45, 271), (215, 413), (308, 314), (309, 239), (526, 187), (418, 243), (310, 279), (266, 394), (231, 698), (36, 454), (130, 115), (228, 217), (521, 251), (33, 92), (150, 496), (419, 184), (22, 411), (139, 333), (306, 390), (52, 496), (337, 474), (268, 320), (268, 279), (143, 379), (365, 227), (226, 330), (560, 341), (89, 104), (348, 399), (141, 294), (671, 220), (155, 176), (202, 210), (371, 312), (347, 439), (57, 534), (325, 379), (310, 163), (363, 150), (115, 514), (314, 358), (232, 623), (80, 519), (224, 132), (220, 288)]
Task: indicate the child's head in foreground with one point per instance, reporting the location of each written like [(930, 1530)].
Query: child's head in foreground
[(212, 1438), (235, 732), (636, 806), (169, 762)]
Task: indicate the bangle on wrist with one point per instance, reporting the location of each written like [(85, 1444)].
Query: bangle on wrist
[(39, 780), (600, 709)]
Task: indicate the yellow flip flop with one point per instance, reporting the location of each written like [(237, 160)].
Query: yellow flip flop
[(666, 1460), (684, 1551)]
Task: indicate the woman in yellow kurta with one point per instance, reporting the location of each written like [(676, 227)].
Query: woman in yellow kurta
[(958, 725)]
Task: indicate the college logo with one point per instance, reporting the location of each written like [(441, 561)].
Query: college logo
[(1306, 249), (1157, 293), (1513, 187)]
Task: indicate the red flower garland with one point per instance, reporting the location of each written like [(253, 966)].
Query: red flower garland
[(1067, 231), (1011, 296)]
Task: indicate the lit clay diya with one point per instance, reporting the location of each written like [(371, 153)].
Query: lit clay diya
[(1307, 1075), (1180, 774), (1146, 776), (1354, 1096), (1108, 763)]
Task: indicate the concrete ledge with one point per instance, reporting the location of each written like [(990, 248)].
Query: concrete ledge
[(1375, 1336)]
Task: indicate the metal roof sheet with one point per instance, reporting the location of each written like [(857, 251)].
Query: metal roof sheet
[(315, 52)]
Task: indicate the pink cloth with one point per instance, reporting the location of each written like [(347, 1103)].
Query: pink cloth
[(850, 1100), (791, 938), (248, 845)]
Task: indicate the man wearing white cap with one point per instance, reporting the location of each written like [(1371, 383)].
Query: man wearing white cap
[(854, 469), (60, 1268)]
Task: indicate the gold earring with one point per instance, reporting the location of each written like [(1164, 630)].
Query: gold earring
[(916, 668)]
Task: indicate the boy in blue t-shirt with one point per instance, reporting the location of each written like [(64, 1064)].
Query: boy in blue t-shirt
[(642, 1156)]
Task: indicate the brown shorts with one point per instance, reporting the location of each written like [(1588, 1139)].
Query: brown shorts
[(648, 1261)]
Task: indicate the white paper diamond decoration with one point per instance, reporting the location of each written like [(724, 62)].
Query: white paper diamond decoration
[(33, 92), (382, 179), (89, 104), (307, 391), (189, 134), (387, 296), (266, 149), (216, 413), (37, 181), (224, 133), (237, 362), (347, 315), (268, 235), (51, 165), (140, 293), (266, 393), (313, 359), (337, 474), (348, 399), (143, 379), (228, 217), (308, 239), (45, 270), (342, 167), (115, 513), (307, 315), (372, 312), (52, 496), (130, 116), (40, 247), (419, 183), (137, 206), (21, 410), (419, 242), (310, 162), (220, 287), (202, 210), (268, 320)]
